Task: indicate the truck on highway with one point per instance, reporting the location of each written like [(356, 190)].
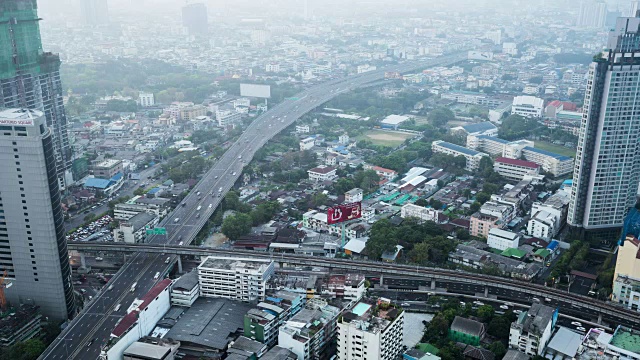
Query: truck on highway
[(133, 287)]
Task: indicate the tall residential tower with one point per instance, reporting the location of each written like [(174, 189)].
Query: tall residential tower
[(33, 248), (607, 165), (30, 77)]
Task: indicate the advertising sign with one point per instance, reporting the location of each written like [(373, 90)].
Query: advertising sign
[(344, 212), (255, 90)]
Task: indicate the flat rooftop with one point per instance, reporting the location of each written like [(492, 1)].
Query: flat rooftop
[(458, 148), (214, 262), (626, 339)]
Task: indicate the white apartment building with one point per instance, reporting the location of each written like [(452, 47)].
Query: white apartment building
[(472, 157), (307, 143), (555, 205), (490, 144), (146, 99), (234, 278), (500, 210), (317, 221), (626, 291), (513, 150), (126, 211), (502, 239), (134, 230), (515, 169), (322, 173), (421, 212), (542, 225), (353, 195), (363, 336), (303, 129), (227, 117), (308, 333), (607, 170), (272, 67), (553, 163), (531, 332), (185, 290), (527, 106)]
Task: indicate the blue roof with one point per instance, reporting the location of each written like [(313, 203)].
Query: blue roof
[(97, 183), (493, 138), (548, 153), (479, 127), (117, 176), (153, 191), (458, 148), (553, 245)]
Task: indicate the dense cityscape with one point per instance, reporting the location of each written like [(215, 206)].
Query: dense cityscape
[(315, 180)]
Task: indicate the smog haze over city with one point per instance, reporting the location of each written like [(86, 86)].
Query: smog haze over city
[(319, 179)]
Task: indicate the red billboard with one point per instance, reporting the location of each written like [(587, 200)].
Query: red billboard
[(345, 212)]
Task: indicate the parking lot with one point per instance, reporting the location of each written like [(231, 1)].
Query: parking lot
[(98, 230)]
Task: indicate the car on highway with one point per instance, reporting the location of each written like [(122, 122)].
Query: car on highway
[(576, 323), (210, 206), (478, 303), (83, 291), (180, 244), (580, 328), (156, 276), (91, 342), (99, 258), (176, 220), (167, 260), (405, 304), (504, 307), (117, 307)]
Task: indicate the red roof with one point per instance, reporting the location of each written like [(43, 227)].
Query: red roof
[(323, 170), (555, 103), (569, 106), (517, 162), (381, 169), (130, 319)]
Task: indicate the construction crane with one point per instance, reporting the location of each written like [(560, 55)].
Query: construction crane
[(4, 285)]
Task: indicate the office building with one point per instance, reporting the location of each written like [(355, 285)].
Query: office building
[(592, 14), (531, 332), (234, 278), (628, 259), (134, 230), (194, 19), (607, 169), (262, 322), (515, 169), (94, 12), (30, 77), (146, 99), (555, 164), (32, 234), (365, 336)]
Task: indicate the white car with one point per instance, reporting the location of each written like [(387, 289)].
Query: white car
[(580, 328), (479, 303), (576, 323), (504, 307)]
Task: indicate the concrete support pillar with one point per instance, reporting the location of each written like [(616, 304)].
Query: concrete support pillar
[(486, 291), (124, 258), (433, 284), (179, 264), (381, 280), (599, 319), (83, 260)]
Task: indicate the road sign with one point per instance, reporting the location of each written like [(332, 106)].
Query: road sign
[(345, 212), (157, 231)]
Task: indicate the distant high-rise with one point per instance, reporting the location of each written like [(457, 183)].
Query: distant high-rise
[(33, 248), (194, 18), (592, 14), (30, 77), (95, 12), (607, 164)]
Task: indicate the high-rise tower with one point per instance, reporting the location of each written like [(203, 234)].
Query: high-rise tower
[(33, 248), (195, 19), (30, 77), (607, 166), (95, 12)]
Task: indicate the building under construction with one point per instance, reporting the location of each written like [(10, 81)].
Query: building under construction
[(19, 324)]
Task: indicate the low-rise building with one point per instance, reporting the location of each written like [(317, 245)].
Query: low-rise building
[(303, 129), (309, 334), (353, 195), (307, 143), (482, 128), (227, 118), (626, 291), (107, 169), (542, 225), (384, 174), (134, 230), (467, 331), (146, 99), (531, 332), (234, 278), (371, 331), (349, 287), (480, 224), (472, 157), (393, 121), (515, 169), (137, 205), (262, 322), (185, 290), (21, 324), (502, 239), (422, 213), (527, 106), (322, 173), (150, 348), (552, 163)]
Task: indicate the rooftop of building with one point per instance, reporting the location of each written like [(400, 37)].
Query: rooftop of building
[(214, 262), (142, 350), (372, 316), (536, 319), (131, 318), (547, 153), (105, 164), (458, 148), (186, 282), (493, 138), (140, 220), (626, 339), (565, 341), (479, 127), (209, 322), (504, 234), (279, 353), (517, 162), (244, 344), (394, 119), (467, 326), (20, 114), (322, 169)]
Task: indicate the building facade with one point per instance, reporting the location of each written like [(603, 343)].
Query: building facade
[(30, 77), (515, 169), (32, 233), (607, 169), (527, 106), (626, 291), (555, 164), (472, 157), (531, 332), (239, 278), (502, 239)]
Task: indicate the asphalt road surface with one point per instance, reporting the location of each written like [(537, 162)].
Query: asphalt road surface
[(98, 319)]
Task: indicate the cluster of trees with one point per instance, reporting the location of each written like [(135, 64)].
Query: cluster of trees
[(122, 106), (368, 102), (240, 223), (439, 117), (367, 180), (32, 348), (436, 333), (398, 160), (189, 169), (423, 241), (517, 127), (573, 259), (202, 136)]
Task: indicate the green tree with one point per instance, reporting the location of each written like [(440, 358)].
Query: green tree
[(485, 312), (421, 202), (237, 225), (319, 199), (498, 349), (420, 253), (499, 327), (382, 239), (536, 79), (441, 116), (482, 197), (139, 191)]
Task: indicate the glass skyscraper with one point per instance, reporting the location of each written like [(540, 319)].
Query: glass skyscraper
[(607, 166), (30, 77)]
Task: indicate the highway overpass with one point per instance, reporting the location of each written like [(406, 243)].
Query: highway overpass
[(587, 305)]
